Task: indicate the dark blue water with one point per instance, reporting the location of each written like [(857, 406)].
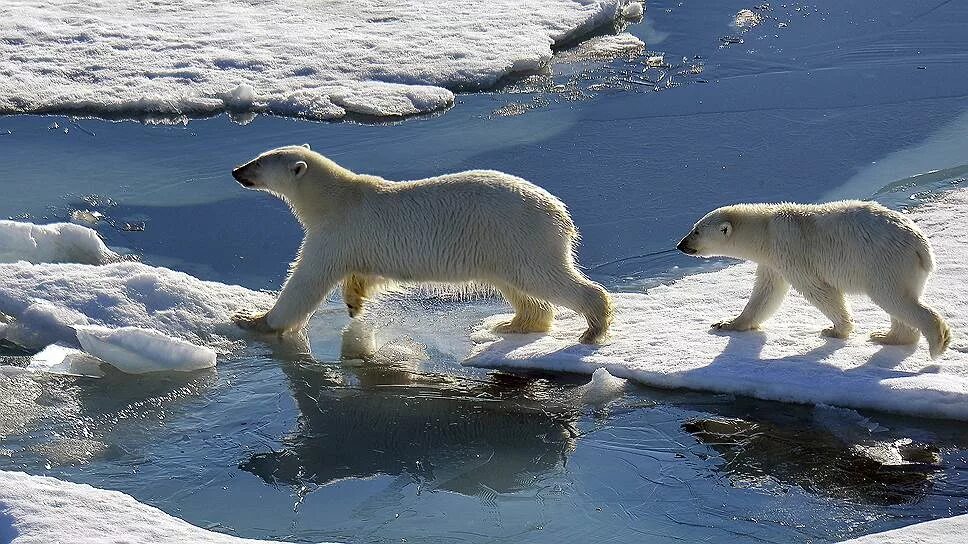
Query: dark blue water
[(819, 100)]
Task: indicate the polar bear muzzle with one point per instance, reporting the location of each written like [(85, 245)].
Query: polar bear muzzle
[(239, 173)]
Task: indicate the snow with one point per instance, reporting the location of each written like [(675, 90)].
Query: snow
[(54, 243), (40, 510), (663, 338), (139, 351), (939, 531), (305, 58), (48, 302)]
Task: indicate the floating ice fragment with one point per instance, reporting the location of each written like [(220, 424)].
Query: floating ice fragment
[(747, 18), (633, 10), (56, 359), (54, 243), (138, 351), (603, 387)]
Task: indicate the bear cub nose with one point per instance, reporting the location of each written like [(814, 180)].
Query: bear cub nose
[(683, 247)]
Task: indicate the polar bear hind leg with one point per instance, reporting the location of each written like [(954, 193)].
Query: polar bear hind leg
[(900, 334), (566, 286), (907, 309), (357, 289), (530, 314)]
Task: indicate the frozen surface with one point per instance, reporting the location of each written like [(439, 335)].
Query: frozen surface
[(115, 58), (54, 243), (47, 302), (65, 361), (138, 351), (663, 338), (939, 531), (38, 509)]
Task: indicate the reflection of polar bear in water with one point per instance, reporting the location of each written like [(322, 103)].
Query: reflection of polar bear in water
[(824, 251), (476, 226)]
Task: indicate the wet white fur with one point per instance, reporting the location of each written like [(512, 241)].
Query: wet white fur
[(825, 251), (476, 226)]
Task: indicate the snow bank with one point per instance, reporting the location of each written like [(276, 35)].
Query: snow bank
[(139, 351), (306, 58), (54, 243), (40, 510), (663, 339), (939, 531), (48, 302)]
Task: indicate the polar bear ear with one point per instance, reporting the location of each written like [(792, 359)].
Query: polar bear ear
[(299, 168), (306, 146), (726, 228)]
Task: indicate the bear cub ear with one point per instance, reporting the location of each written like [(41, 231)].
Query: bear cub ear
[(726, 228), (307, 146), (299, 168)]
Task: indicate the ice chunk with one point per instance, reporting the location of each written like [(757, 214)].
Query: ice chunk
[(139, 351), (603, 387), (40, 510), (54, 243), (939, 531), (119, 295), (611, 46), (57, 359), (663, 338), (187, 59), (633, 10), (747, 18)]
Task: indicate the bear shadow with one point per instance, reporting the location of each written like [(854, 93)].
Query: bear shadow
[(748, 346)]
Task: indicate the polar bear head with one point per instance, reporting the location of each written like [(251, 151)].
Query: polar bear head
[(712, 235), (277, 171)]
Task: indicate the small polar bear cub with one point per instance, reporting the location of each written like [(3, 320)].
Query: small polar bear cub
[(477, 226), (825, 251)]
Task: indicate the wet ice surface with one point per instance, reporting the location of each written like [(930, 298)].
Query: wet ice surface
[(397, 440)]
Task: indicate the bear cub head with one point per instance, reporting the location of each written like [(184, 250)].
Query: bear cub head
[(275, 171), (711, 236)]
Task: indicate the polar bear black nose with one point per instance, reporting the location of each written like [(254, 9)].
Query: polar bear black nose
[(237, 174), (683, 247)]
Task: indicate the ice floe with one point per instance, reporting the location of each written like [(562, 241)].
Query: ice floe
[(939, 531), (139, 351), (54, 243), (303, 58), (663, 338), (40, 510), (50, 302)]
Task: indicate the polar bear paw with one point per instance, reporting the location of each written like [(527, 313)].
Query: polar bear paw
[(836, 332), (515, 326), (253, 322), (733, 325)]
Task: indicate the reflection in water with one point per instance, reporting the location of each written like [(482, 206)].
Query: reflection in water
[(816, 460), (377, 414)]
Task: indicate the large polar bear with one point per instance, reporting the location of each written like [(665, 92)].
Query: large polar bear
[(477, 226), (825, 251)]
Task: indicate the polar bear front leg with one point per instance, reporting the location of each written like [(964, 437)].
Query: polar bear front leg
[(306, 287), (769, 290), (832, 303)]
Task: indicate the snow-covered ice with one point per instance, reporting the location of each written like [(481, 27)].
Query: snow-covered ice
[(139, 351), (48, 301), (663, 338), (41, 510), (66, 361), (939, 531), (611, 46), (54, 243), (306, 58)]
